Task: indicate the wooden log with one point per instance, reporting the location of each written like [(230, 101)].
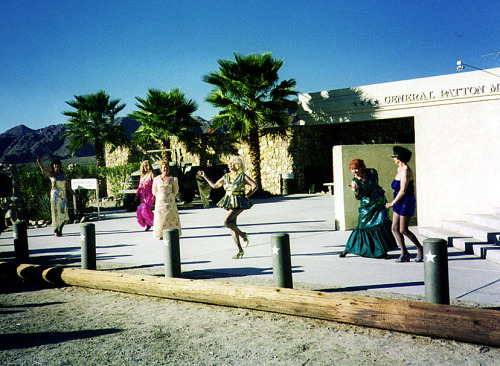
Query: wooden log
[(472, 325)]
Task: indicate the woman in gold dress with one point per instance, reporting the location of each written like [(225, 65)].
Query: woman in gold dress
[(236, 199)]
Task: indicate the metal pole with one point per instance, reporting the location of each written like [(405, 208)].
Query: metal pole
[(437, 287), (74, 206), (21, 249), (172, 253), (88, 246), (282, 263)]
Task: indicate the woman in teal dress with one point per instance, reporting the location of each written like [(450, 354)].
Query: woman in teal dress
[(236, 199), (373, 236)]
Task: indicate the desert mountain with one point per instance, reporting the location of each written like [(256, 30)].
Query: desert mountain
[(22, 144)]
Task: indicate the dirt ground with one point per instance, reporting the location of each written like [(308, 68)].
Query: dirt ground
[(79, 326)]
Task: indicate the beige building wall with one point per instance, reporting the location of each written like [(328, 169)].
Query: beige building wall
[(457, 129), (374, 156)]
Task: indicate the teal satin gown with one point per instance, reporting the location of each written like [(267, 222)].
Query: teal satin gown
[(373, 236)]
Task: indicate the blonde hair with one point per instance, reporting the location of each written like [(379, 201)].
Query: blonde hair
[(238, 162), (150, 168)]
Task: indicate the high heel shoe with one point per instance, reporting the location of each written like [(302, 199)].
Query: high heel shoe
[(343, 254), (404, 258), (244, 236), (147, 228), (239, 255), (419, 259)]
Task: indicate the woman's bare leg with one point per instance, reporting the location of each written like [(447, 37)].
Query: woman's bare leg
[(396, 229), (231, 224), (404, 222)]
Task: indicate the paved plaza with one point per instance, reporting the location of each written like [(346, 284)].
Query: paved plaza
[(207, 247)]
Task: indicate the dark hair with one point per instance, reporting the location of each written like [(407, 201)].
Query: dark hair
[(357, 163), (55, 162), (401, 153)]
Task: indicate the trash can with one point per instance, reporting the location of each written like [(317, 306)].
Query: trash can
[(287, 184)]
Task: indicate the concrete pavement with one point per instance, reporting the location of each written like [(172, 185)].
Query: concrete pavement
[(207, 247)]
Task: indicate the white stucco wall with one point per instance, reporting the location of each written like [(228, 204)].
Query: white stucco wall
[(458, 161), (457, 129)]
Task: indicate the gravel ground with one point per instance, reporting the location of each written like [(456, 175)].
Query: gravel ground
[(79, 326)]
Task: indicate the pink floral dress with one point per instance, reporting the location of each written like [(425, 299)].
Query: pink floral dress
[(166, 215), (145, 216)]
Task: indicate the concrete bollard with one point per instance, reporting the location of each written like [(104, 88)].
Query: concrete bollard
[(88, 246), (21, 249), (437, 287), (172, 253), (282, 263)]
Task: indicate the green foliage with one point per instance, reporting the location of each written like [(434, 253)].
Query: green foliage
[(35, 188), (42, 209), (117, 175), (33, 184), (249, 94), (163, 115), (92, 122)]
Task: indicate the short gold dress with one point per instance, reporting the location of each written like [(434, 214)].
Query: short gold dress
[(235, 193)]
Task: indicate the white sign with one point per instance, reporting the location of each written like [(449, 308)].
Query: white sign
[(88, 183)]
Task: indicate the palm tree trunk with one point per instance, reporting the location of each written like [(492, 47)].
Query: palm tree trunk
[(166, 155), (100, 161), (254, 142)]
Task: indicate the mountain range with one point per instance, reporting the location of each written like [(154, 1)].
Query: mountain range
[(22, 144)]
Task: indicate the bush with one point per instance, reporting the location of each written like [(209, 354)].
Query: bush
[(117, 175), (42, 209), (34, 186)]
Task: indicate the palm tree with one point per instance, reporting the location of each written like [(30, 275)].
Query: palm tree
[(92, 122), (163, 115), (250, 97)]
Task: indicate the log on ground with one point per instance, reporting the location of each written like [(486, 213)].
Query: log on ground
[(472, 325)]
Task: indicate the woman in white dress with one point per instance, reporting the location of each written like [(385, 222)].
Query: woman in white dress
[(166, 215)]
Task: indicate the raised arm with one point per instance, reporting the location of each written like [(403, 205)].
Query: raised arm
[(215, 185), (44, 171)]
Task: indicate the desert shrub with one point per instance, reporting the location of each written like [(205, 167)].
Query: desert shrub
[(42, 209), (32, 185), (117, 175)]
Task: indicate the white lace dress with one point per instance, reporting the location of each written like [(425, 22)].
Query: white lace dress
[(166, 215)]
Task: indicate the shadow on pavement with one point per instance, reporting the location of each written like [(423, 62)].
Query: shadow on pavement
[(373, 287)]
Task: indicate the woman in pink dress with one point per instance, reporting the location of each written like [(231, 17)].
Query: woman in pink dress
[(165, 189), (145, 215)]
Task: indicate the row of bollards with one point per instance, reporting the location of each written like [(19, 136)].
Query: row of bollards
[(435, 258)]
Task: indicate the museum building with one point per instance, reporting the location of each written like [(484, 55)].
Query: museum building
[(454, 123)]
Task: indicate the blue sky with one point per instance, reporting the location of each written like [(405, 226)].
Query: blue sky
[(52, 50)]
